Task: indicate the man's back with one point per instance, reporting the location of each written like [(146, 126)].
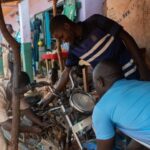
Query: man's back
[(124, 106), (97, 44)]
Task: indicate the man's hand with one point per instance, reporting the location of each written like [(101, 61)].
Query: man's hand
[(31, 86), (43, 103), (95, 95), (42, 83), (38, 84)]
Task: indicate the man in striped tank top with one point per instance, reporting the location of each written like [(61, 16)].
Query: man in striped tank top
[(94, 40)]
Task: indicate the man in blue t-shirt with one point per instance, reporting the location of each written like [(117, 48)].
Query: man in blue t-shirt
[(94, 40), (123, 105)]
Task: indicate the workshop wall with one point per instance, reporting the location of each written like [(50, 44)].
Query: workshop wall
[(134, 16), (89, 8), (34, 8)]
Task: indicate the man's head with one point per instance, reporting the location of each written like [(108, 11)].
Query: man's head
[(105, 74), (23, 81), (63, 29), (9, 28)]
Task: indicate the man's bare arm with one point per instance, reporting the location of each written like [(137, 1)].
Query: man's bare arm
[(60, 85), (35, 119), (105, 144), (134, 51), (7, 125)]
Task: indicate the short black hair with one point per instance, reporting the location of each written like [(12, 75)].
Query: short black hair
[(106, 69), (23, 79), (58, 21)]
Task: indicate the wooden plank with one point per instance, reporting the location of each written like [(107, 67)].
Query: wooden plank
[(17, 67), (85, 78), (8, 1)]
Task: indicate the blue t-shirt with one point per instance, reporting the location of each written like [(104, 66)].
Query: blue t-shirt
[(97, 45), (126, 106)]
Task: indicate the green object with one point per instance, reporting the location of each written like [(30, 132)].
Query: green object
[(18, 36), (47, 30), (78, 5), (27, 59), (70, 9)]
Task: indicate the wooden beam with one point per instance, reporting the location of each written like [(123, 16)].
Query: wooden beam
[(58, 41), (54, 7), (17, 67), (85, 78), (8, 1), (60, 59)]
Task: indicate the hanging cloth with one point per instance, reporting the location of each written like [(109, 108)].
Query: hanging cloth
[(18, 36), (70, 9)]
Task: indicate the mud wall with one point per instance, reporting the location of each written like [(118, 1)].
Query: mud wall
[(134, 16)]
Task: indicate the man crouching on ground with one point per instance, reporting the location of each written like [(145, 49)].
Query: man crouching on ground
[(123, 105), (5, 105)]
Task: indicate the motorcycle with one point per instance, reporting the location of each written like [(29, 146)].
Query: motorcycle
[(73, 108), (69, 117)]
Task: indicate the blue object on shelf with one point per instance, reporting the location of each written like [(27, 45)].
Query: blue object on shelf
[(90, 145)]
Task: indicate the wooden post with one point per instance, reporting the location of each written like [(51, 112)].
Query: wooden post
[(54, 7), (85, 78), (17, 67), (59, 56), (58, 41)]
